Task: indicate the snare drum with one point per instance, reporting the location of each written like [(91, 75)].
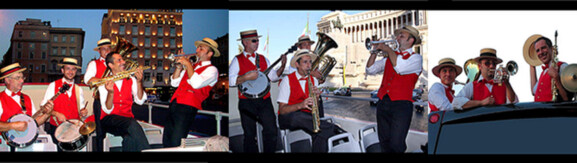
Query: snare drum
[(69, 137), (24, 138)]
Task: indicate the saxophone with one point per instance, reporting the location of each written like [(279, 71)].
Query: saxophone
[(554, 61), (121, 75), (315, 107)]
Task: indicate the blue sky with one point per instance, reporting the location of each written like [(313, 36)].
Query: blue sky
[(197, 24)]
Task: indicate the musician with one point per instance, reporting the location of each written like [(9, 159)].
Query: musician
[(259, 109), (68, 105), (541, 88), (13, 101), (94, 72), (401, 70), (484, 91), (441, 94), (295, 104), (117, 98), (193, 84)]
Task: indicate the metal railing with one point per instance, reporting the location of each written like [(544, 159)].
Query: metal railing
[(217, 114)]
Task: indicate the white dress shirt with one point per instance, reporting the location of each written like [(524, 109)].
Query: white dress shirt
[(414, 64), (438, 97), (466, 94), (208, 77), (234, 69), (285, 87), (90, 71), (118, 84)]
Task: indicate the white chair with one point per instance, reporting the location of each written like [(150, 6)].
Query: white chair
[(236, 139), (343, 143), (297, 141), (369, 139)]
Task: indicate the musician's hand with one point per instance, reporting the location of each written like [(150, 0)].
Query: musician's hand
[(138, 74), (283, 60), (251, 75), (19, 126), (109, 86), (553, 71), (61, 117), (488, 101), (307, 103), (48, 107), (384, 48), (317, 74), (83, 112)]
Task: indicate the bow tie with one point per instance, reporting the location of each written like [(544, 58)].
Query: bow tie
[(405, 54), (303, 78), (449, 89), (251, 55), (197, 64), (487, 81), (14, 94)]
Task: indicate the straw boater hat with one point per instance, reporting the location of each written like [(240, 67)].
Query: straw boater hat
[(210, 43), (300, 53), (412, 31), (11, 69), (69, 61), (304, 38), (529, 53), (102, 42), (446, 62), (488, 53), (248, 34)]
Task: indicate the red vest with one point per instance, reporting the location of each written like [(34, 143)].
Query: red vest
[(480, 92), (122, 101), (190, 96), (11, 108), (448, 93), (64, 104), (543, 92), (245, 66), (398, 87), (297, 95), (100, 68)]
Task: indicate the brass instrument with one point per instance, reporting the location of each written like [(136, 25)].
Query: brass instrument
[(324, 44), (503, 73), (121, 75), (124, 48), (554, 61), (172, 57), (393, 44), (471, 70), (314, 107)]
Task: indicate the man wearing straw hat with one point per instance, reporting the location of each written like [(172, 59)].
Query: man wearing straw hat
[(68, 105), (401, 70), (13, 101), (484, 91), (542, 48), (256, 110), (193, 83), (117, 98), (94, 72), (441, 94), (295, 104)]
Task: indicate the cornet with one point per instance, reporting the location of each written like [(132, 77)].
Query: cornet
[(503, 73), (393, 44), (172, 58)]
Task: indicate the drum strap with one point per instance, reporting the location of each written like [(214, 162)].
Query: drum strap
[(22, 103)]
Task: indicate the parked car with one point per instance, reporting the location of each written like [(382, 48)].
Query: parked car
[(417, 93), (343, 91)]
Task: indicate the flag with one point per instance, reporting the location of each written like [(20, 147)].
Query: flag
[(266, 43), (306, 30)]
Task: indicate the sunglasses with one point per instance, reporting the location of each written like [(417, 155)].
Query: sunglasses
[(254, 40)]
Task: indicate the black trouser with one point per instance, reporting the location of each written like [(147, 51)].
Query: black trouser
[(98, 140), (253, 111), (393, 123), (179, 122), (133, 137), (302, 120)]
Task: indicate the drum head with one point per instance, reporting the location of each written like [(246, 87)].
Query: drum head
[(22, 138), (68, 131), (255, 88)]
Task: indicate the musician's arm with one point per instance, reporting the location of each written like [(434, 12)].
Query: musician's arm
[(376, 67), (108, 97), (413, 64), (207, 77), (44, 114), (533, 78), (233, 69), (137, 92), (275, 75), (48, 94), (90, 74)]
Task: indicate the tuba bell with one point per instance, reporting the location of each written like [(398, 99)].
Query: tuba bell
[(471, 70), (124, 48), (324, 44)]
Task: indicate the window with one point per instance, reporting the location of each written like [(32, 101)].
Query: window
[(134, 30), (160, 53), (72, 39), (159, 77), (159, 32), (147, 76), (172, 31), (172, 43), (147, 30), (55, 38), (72, 51), (122, 29), (147, 42), (63, 38), (147, 54), (54, 51), (159, 42), (63, 51), (43, 68), (159, 63)]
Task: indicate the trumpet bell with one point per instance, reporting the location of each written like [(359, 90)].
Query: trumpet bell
[(529, 51), (569, 78)]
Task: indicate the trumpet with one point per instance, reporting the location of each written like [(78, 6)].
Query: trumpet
[(393, 44), (503, 73), (172, 58)]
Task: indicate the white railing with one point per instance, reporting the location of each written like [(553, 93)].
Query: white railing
[(217, 114)]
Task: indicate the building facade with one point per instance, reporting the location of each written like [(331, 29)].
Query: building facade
[(156, 34), (37, 45), (350, 33)]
